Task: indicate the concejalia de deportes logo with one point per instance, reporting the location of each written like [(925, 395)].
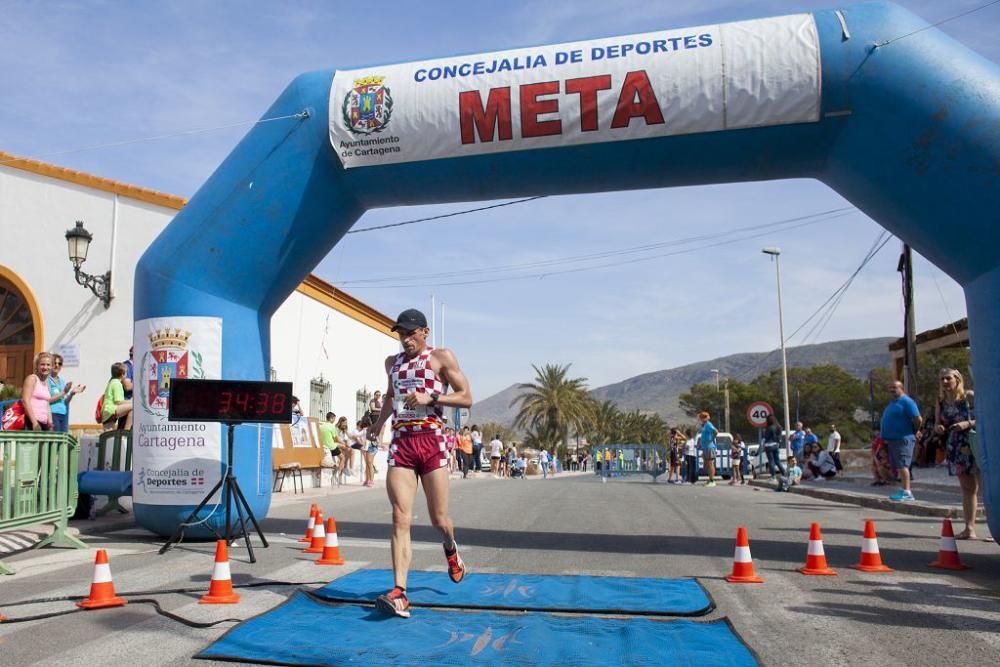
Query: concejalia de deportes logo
[(367, 106)]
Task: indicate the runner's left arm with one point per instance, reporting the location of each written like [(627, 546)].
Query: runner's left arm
[(460, 395)]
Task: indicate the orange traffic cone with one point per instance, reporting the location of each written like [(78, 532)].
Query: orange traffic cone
[(319, 537), (816, 557), (102, 589), (871, 559), (331, 547), (310, 525), (948, 554), (742, 562), (220, 589)]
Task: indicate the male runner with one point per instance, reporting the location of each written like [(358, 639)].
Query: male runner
[(419, 378)]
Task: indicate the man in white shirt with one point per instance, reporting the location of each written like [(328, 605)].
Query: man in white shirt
[(833, 446), (496, 451)]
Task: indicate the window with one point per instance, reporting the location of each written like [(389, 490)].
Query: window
[(362, 397), (320, 395)]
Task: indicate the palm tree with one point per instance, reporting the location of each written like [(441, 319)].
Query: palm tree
[(602, 422), (553, 402)]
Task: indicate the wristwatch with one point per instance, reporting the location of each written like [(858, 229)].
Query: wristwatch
[(434, 398)]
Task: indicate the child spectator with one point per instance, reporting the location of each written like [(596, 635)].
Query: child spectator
[(791, 478), (116, 406), (736, 461)]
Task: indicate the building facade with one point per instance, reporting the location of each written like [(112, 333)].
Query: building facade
[(330, 345)]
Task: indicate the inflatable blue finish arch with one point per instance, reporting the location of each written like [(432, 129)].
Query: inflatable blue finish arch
[(906, 129)]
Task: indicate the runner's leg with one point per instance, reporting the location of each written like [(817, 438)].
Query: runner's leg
[(401, 484), (436, 489)]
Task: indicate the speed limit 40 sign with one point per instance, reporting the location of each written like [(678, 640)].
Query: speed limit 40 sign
[(757, 414)]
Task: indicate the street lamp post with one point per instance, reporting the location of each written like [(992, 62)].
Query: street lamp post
[(775, 253), (78, 242)]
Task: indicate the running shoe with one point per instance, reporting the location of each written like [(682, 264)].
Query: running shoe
[(710, 484), (456, 567), (902, 496), (393, 603)]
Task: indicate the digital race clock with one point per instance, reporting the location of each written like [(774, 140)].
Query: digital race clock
[(237, 401)]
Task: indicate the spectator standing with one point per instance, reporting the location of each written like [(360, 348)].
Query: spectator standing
[(772, 444), (543, 461), (900, 422), (477, 448), (708, 447), (833, 446), (60, 394), (465, 445), (676, 452), (954, 419), (691, 458), (35, 395), (797, 441), (496, 451), (511, 458), (344, 442), (811, 439), (116, 407), (744, 459), (128, 380), (328, 439), (368, 451), (736, 460)]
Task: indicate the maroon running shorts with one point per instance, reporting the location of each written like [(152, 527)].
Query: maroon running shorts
[(421, 452)]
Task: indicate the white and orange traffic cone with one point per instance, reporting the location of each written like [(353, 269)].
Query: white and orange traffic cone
[(220, 589), (319, 537), (102, 589), (310, 525), (743, 572), (816, 556), (871, 559), (948, 554), (331, 547)]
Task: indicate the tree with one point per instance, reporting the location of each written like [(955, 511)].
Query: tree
[(554, 402), (490, 429), (602, 423)]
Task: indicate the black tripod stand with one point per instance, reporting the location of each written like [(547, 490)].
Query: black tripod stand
[(232, 495)]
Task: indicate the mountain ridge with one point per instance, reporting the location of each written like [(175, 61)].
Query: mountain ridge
[(659, 391)]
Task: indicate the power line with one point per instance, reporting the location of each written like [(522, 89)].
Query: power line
[(934, 25), (546, 274), (823, 216), (879, 243), (445, 215)]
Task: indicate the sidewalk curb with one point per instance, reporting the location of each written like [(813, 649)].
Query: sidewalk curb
[(912, 508)]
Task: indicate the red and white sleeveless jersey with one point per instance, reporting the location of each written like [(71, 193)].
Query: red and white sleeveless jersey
[(415, 375)]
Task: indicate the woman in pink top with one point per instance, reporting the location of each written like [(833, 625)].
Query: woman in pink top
[(35, 395)]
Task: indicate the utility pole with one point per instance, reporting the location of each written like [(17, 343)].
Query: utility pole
[(905, 267), (433, 322), (727, 406)]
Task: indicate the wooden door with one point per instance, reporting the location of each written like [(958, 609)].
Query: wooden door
[(17, 335)]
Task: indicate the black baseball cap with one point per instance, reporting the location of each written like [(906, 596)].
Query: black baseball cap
[(410, 320)]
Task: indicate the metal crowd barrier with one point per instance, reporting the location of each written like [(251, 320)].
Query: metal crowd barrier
[(630, 460), (39, 484)]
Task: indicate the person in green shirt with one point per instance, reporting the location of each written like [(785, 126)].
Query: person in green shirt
[(115, 404), (328, 439)]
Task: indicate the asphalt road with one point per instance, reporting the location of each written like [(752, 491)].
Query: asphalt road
[(568, 525)]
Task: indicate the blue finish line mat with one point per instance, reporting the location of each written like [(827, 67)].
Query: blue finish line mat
[(306, 630), (531, 592)]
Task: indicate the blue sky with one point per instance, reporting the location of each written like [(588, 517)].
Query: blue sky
[(86, 74)]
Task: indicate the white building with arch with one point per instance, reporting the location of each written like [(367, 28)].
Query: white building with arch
[(330, 345)]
